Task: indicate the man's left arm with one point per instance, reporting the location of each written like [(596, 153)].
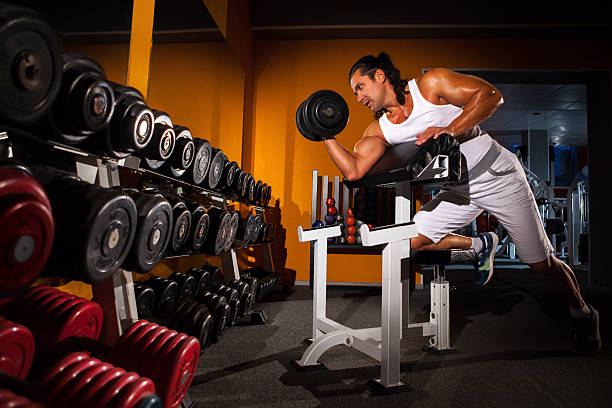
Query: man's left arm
[(478, 98)]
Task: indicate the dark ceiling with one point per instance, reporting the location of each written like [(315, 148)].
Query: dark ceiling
[(189, 20)]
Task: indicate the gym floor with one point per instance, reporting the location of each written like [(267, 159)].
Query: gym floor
[(512, 342)]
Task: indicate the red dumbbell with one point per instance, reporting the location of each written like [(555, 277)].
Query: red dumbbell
[(26, 222), (167, 357), (330, 202), (332, 210), (351, 229), (80, 380), (54, 316), (16, 348)]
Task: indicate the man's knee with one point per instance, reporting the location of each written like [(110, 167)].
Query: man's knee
[(419, 242)]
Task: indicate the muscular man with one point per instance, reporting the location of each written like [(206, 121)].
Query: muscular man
[(443, 101)]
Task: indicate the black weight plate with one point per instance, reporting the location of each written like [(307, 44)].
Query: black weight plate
[(30, 66), (326, 113), (132, 124), (216, 275), (215, 171), (181, 224), (189, 323), (180, 323), (153, 232), (201, 161), (205, 329), (183, 154), (302, 124), (166, 293), (202, 278), (177, 312), (110, 228), (186, 284), (161, 146), (200, 224), (240, 174), (217, 233), (145, 300)]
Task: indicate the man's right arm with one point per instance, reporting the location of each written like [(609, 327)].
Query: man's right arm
[(355, 165)]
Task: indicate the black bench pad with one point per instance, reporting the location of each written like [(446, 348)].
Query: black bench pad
[(444, 257)]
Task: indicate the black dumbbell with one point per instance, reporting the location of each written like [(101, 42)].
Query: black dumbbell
[(216, 274), (215, 172), (201, 162), (166, 294), (228, 179), (162, 143), (200, 222), (232, 299), (220, 220), (186, 284), (85, 103), (202, 279), (131, 126), (153, 233), (193, 318), (183, 153), (181, 224), (95, 226), (322, 116), (220, 310), (145, 300)]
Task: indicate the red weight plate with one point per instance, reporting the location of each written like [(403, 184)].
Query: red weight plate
[(83, 384), (16, 348), (55, 329), (34, 290), (82, 320), (49, 306), (57, 311), (112, 388), (17, 401), (13, 182), (182, 363), (47, 302), (78, 380), (90, 396), (30, 306), (131, 395), (124, 339), (130, 349), (163, 371), (144, 344), (147, 367), (54, 389), (26, 243), (61, 365)]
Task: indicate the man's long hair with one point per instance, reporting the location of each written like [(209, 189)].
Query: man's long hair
[(369, 64)]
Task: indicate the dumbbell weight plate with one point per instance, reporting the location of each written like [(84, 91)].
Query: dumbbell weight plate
[(161, 146), (302, 125), (183, 359), (232, 229), (201, 163), (204, 328), (216, 274), (72, 390), (325, 113), (52, 390), (166, 293), (164, 371), (30, 67), (139, 394), (177, 312), (153, 232), (181, 224), (129, 348), (200, 225), (183, 154), (246, 300), (153, 351), (145, 300), (229, 175), (202, 278), (217, 163), (98, 383), (217, 234), (17, 348), (116, 354), (186, 284), (145, 343)]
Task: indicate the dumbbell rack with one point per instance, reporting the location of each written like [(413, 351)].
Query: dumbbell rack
[(116, 295)]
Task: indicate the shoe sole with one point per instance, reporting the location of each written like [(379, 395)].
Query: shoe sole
[(492, 257)]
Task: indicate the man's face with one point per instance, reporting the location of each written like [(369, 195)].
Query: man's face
[(369, 91)]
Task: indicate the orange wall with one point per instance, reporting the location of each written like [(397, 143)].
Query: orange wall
[(287, 72)]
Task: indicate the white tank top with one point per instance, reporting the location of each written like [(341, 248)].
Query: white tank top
[(426, 114)]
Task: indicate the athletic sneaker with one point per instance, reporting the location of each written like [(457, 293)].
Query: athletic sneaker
[(484, 272), (585, 331)]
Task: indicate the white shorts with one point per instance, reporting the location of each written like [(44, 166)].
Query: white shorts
[(504, 192)]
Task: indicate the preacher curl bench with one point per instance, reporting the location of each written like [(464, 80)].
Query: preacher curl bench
[(401, 167)]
